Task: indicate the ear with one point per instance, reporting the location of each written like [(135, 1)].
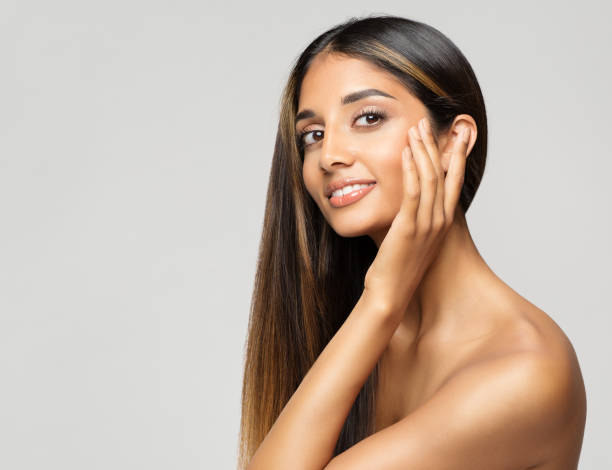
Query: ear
[(447, 141)]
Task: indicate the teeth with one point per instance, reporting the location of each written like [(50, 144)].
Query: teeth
[(351, 187)]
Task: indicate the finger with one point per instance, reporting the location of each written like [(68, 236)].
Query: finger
[(412, 192), (432, 150), (430, 145), (427, 180), (455, 174)]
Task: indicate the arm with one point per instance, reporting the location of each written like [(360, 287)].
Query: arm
[(305, 434)]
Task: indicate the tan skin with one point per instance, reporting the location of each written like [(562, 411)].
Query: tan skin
[(472, 374)]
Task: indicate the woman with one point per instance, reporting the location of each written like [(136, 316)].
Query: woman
[(379, 338)]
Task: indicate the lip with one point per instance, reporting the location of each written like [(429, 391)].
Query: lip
[(350, 198), (342, 182)]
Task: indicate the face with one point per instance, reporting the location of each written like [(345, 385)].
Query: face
[(360, 139)]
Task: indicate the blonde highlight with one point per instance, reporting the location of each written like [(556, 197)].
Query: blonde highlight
[(387, 54)]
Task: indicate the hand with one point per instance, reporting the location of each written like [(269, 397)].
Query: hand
[(426, 213)]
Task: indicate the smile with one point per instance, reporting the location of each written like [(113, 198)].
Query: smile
[(354, 193)]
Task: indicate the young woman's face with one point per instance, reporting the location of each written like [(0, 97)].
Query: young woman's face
[(339, 143)]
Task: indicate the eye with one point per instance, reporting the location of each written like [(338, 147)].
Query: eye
[(373, 116), (372, 112), (304, 134)]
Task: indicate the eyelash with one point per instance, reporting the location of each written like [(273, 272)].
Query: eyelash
[(381, 115)]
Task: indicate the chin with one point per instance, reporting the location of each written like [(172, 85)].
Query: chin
[(361, 219), (358, 229), (351, 232)]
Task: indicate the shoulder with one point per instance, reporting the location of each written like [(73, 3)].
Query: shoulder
[(506, 410), (530, 365), (527, 384), (521, 402), (532, 399), (526, 390), (524, 393), (527, 342)]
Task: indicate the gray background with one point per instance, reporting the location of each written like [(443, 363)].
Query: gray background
[(135, 145)]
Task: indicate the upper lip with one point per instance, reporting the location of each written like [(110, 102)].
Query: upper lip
[(341, 182)]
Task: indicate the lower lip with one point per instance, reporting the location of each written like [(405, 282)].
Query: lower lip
[(354, 196)]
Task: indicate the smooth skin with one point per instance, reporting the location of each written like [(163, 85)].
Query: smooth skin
[(473, 376)]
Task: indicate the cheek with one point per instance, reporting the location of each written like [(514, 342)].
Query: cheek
[(386, 161), (384, 147), (391, 182), (388, 174)]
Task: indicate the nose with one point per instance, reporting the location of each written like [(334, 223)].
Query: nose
[(335, 150)]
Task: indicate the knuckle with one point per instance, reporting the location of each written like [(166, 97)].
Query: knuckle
[(438, 224), (424, 227), (430, 178), (414, 192), (410, 229), (407, 224), (428, 186)]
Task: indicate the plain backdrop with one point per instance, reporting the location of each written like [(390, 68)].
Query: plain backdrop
[(135, 147)]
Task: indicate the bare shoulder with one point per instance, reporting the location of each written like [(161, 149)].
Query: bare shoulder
[(527, 376), (526, 403), (522, 332), (531, 336), (513, 408)]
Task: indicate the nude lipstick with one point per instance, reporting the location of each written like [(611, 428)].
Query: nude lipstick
[(353, 196)]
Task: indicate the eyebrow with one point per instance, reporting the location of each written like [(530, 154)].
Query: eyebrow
[(350, 98)]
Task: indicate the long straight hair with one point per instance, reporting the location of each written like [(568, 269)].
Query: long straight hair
[(308, 278)]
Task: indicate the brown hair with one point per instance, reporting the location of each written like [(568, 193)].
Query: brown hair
[(309, 278)]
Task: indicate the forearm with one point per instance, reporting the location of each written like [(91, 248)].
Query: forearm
[(305, 434)]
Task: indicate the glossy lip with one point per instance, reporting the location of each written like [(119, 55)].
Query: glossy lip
[(342, 182), (350, 198)]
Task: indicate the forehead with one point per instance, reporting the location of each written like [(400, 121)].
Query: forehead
[(332, 75)]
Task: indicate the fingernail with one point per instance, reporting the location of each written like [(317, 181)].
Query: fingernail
[(426, 125), (415, 133)]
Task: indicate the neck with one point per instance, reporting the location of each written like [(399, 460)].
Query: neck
[(447, 286)]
